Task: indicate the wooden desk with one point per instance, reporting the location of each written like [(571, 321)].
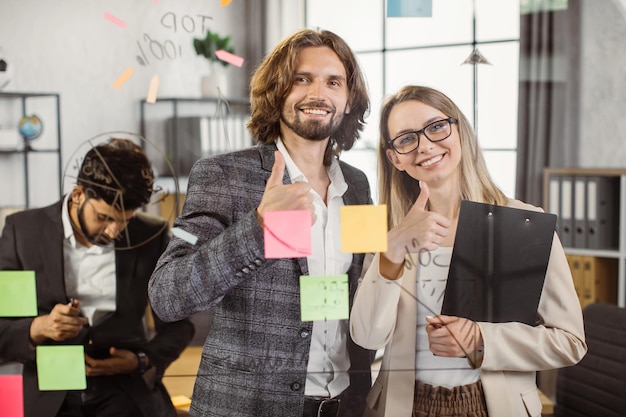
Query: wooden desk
[(547, 407), (181, 375)]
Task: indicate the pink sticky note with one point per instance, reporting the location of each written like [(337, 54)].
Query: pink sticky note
[(287, 234), (123, 78), (230, 58), (114, 19), (11, 396)]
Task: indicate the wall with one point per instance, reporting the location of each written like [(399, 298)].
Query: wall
[(67, 47), (603, 85)]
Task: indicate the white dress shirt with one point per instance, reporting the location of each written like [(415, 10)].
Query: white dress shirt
[(89, 273), (327, 370)]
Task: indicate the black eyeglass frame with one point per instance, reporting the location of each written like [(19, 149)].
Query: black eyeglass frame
[(422, 131)]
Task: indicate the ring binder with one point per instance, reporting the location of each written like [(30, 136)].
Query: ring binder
[(580, 213), (602, 215), (566, 216)]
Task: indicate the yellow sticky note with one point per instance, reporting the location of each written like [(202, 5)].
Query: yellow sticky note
[(61, 368), (364, 228), (324, 297)]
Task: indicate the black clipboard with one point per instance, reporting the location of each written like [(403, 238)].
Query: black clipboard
[(498, 264)]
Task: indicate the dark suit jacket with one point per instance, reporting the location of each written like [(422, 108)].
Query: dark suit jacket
[(254, 360), (33, 240)]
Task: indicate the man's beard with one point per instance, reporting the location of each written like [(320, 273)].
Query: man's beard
[(315, 130), (98, 238)]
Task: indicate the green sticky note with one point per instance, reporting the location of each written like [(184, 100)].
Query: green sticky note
[(324, 298), (363, 228), (61, 368), (18, 294)]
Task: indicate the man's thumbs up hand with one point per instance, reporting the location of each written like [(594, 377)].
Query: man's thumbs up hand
[(279, 196)]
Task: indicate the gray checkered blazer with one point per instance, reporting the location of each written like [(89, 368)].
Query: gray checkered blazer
[(255, 357)]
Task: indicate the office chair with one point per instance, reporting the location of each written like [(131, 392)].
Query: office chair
[(596, 386)]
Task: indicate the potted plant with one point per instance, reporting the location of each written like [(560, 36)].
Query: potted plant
[(216, 82)]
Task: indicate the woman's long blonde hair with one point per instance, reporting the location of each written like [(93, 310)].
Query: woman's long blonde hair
[(398, 190)]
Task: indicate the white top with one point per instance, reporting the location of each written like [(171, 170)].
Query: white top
[(89, 273), (431, 285), (329, 362)]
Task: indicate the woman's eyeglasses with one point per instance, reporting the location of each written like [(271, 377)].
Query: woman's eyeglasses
[(434, 132)]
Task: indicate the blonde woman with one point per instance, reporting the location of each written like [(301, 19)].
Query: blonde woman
[(437, 365)]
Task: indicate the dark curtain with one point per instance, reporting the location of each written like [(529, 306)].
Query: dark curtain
[(548, 110)]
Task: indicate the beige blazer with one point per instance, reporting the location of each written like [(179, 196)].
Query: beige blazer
[(513, 352)]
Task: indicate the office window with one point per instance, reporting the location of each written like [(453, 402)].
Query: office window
[(397, 51), (451, 23)]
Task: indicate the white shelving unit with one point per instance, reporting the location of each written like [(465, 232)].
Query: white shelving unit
[(619, 252)]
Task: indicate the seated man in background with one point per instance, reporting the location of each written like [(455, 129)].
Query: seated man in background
[(93, 254)]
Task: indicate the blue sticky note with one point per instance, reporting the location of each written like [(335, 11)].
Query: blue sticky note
[(184, 235), (409, 8)]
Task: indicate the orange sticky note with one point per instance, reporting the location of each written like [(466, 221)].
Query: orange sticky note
[(364, 228), (114, 19), (287, 234), (11, 396), (152, 89), (230, 58), (225, 3), (123, 78)]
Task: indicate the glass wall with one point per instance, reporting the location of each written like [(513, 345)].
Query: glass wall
[(397, 51)]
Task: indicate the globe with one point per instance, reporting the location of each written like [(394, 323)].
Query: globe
[(30, 127)]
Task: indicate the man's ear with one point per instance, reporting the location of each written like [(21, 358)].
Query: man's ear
[(77, 193), (393, 158), (347, 110)]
